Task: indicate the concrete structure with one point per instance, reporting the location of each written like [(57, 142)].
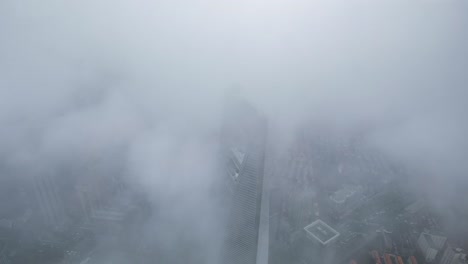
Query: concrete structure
[(322, 233), (431, 246), (453, 256), (243, 149)]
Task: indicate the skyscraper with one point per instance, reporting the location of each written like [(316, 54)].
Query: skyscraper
[(243, 147)]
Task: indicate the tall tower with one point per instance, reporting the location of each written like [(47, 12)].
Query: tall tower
[(243, 146)]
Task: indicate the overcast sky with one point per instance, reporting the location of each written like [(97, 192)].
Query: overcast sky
[(78, 77)]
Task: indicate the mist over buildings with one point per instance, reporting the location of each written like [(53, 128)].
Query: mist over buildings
[(148, 80)]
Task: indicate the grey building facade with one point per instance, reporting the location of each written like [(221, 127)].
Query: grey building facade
[(243, 140)]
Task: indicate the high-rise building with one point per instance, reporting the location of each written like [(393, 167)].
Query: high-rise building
[(431, 246), (243, 146), (453, 255)]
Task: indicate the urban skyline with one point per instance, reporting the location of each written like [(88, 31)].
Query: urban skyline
[(233, 132)]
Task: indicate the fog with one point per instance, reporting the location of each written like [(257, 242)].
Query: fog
[(82, 79)]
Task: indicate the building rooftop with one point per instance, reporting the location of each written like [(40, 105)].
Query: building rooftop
[(435, 242), (321, 232)]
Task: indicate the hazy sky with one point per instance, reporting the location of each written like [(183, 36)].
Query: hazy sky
[(78, 77)]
